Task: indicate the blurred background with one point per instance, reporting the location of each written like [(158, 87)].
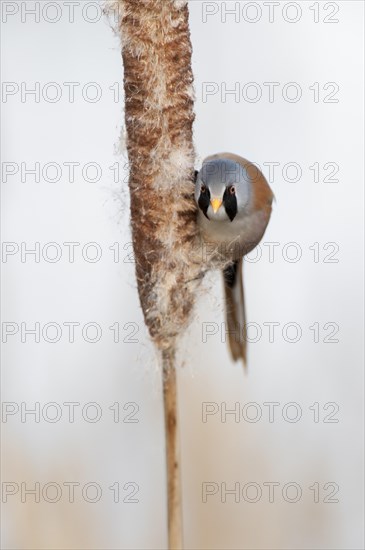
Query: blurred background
[(279, 83)]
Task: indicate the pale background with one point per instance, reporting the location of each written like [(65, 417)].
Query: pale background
[(104, 292)]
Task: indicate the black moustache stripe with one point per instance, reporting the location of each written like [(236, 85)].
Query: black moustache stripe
[(204, 201), (230, 204)]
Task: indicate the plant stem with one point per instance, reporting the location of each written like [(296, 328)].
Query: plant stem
[(174, 500)]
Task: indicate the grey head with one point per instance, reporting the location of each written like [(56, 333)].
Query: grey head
[(222, 189)]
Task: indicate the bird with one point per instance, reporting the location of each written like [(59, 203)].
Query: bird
[(234, 203)]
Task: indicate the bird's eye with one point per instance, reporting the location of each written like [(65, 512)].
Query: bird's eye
[(203, 188), (232, 190)]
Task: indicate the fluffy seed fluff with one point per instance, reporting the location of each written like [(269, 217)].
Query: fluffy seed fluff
[(158, 85)]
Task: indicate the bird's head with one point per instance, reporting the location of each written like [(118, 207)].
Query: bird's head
[(222, 189)]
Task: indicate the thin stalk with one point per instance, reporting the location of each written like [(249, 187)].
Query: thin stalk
[(174, 500)]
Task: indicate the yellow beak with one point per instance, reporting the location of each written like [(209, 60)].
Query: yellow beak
[(216, 204)]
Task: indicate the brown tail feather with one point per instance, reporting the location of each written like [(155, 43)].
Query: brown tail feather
[(235, 310)]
